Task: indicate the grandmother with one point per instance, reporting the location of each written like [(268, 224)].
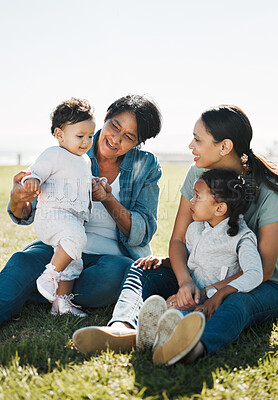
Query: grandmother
[(124, 217)]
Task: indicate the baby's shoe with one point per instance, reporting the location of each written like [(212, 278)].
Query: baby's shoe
[(63, 305), (47, 283)]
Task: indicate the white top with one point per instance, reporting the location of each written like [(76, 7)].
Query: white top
[(101, 227), (66, 181), (214, 255)]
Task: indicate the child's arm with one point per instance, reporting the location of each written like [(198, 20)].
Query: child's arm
[(246, 280), (44, 165), (250, 264)]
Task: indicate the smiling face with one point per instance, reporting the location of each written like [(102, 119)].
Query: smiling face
[(204, 149), (203, 206), (76, 138), (118, 136)]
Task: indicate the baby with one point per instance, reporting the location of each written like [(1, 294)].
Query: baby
[(62, 177)]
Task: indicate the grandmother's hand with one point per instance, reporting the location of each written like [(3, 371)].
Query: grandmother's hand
[(18, 192), (149, 262), (101, 190)]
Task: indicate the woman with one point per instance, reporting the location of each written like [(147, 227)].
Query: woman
[(221, 139), (124, 217)]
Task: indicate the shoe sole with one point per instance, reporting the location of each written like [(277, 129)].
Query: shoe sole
[(184, 338), (83, 315), (152, 309), (165, 327), (45, 293), (94, 340)]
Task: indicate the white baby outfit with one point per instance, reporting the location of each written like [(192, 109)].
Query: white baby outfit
[(214, 255), (64, 202)]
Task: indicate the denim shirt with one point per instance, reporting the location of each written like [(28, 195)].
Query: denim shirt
[(140, 172)]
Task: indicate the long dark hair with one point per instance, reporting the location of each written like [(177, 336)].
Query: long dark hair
[(230, 122), (225, 185)]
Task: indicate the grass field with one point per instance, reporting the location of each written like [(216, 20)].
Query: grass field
[(38, 360)]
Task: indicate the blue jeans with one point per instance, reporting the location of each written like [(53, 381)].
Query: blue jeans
[(98, 285), (137, 286), (236, 313)]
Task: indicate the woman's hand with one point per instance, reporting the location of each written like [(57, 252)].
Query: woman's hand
[(20, 199), (152, 262), (101, 190), (18, 193), (210, 305)]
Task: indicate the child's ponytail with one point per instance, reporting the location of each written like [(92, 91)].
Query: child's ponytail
[(238, 204)]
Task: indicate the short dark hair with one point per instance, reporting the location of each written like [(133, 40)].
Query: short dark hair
[(147, 114), (227, 186), (71, 111)]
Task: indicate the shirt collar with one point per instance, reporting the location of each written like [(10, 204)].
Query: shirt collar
[(223, 225)]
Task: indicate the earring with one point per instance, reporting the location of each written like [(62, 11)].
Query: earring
[(221, 153)]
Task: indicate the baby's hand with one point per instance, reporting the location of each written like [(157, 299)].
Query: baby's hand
[(149, 262), (32, 186), (101, 190)]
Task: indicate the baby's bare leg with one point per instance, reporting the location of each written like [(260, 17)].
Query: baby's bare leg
[(60, 259), (64, 287)]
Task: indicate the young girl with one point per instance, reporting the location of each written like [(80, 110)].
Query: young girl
[(219, 245), (61, 177), (218, 242)]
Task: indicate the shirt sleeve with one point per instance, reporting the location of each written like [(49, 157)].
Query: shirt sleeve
[(42, 168), (250, 263), (27, 221), (269, 209)]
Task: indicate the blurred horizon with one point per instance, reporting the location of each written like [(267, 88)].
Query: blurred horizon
[(187, 56)]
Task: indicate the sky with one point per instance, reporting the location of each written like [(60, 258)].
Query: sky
[(187, 55)]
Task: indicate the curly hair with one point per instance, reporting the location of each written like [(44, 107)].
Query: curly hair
[(71, 112)]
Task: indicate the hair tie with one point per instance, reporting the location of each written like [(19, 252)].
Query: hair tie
[(244, 159), (238, 186)]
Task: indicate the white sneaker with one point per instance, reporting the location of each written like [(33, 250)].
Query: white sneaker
[(182, 342), (97, 338), (63, 305), (152, 309), (47, 283)]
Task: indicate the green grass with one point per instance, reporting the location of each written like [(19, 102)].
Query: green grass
[(38, 360)]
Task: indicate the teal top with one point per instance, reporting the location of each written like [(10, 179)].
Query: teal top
[(263, 212)]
